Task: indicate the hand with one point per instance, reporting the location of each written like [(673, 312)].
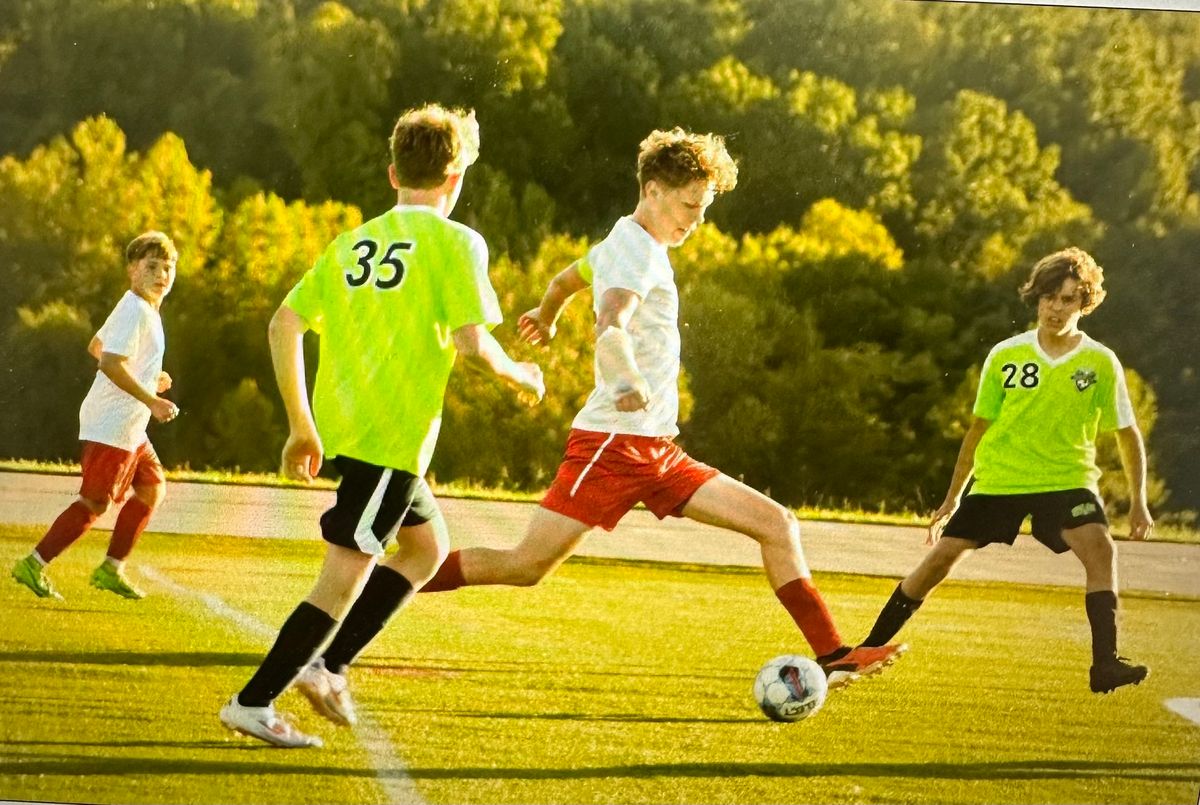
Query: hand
[(302, 456), (532, 330), (531, 384), (938, 520), (1140, 521), (163, 409), (632, 397), (164, 382)]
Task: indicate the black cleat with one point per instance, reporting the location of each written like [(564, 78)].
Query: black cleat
[(1117, 672)]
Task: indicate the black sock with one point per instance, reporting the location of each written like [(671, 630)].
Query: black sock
[(383, 594), (892, 617), (836, 654), (1102, 615), (299, 638)]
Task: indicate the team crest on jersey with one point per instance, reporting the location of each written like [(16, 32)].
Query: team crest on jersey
[(1084, 378)]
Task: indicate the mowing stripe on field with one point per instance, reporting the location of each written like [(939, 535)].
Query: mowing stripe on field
[(1188, 708), (397, 786)]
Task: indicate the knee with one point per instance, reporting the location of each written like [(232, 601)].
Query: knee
[(97, 507), (530, 574), (781, 529), (152, 496)]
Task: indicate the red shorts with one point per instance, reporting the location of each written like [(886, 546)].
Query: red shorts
[(109, 472), (604, 475)]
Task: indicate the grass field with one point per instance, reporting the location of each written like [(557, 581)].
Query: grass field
[(611, 682)]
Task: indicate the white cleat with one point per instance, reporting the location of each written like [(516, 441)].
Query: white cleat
[(328, 692), (264, 724)]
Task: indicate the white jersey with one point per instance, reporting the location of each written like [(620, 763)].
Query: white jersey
[(108, 414), (631, 259)]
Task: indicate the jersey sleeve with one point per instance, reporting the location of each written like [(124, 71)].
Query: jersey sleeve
[(990, 395), (585, 269), (469, 297), (122, 330), (307, 296), (626, 264), (1116, 409)]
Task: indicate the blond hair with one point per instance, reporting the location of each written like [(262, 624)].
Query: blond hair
[(676, 158)]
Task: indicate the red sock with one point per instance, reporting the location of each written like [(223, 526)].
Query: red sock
[(131, 522), (802, 601), (70, 526), (448, 577)]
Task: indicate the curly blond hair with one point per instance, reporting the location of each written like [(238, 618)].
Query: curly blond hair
[(1053, 270), (677, 157)]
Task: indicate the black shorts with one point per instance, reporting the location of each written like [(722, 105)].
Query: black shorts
[(372, 503), (997, 518)]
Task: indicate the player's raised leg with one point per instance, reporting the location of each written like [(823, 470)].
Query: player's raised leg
[(549, 539), (727, 503), (1094, 547)]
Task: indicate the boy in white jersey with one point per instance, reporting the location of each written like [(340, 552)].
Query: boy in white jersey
[(117, 455), (1031, 450), (621, 448), (394, 301)]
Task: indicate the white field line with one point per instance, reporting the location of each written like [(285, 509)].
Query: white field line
[(398, 787), (1188, 708)]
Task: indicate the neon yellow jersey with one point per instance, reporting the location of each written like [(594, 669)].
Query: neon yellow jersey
[(386, 299), (585, 269), (1045, 415)]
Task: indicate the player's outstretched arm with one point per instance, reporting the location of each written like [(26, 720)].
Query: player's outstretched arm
[(1133, 459), (114, 368), (483, 352), (538, 326), (303, 450), (958, 481)]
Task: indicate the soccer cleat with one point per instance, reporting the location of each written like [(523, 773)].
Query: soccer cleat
[(328, 692), (32, 574), (1107, 676), (861, 661), (264, 724), (107, 577)]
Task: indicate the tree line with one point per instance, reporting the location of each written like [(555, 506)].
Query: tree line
[(901, 166)]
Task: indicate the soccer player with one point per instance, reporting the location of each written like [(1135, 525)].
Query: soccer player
[(621, 449), (117, 455), (1031, 450), (394, 301)]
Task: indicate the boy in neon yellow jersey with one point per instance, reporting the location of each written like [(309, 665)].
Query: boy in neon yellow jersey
[(394, 301), (1043, 397)]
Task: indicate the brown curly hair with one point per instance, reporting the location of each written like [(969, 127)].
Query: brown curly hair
[(677, 157), (1053, 270)]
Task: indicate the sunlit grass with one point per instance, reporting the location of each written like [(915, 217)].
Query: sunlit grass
[(611, 682)]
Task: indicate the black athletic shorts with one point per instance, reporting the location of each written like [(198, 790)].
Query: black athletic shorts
[(997, 518), (372, 503)]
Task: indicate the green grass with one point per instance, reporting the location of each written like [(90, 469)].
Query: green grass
[(611, 682)]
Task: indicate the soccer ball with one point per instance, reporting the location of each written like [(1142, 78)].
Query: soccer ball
[(790, 688)]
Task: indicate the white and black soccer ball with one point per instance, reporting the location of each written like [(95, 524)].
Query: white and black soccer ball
[(790, 688)]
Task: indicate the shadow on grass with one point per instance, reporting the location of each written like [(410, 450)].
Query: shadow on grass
[(181, 659), (308, 764), (619, 717)]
